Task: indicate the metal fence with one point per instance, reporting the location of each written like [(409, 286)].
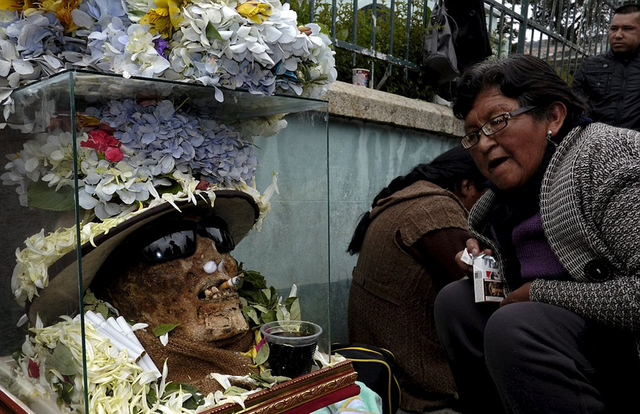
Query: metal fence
[(563, 32)]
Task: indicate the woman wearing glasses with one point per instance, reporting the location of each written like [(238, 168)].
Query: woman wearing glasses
[(562, 219)]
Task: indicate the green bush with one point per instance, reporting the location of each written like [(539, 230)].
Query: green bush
[(386, 77)]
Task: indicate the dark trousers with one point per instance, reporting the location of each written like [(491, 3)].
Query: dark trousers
[(532, 357)]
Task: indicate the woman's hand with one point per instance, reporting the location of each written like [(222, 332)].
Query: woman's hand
[(519, 295), (473, 247)]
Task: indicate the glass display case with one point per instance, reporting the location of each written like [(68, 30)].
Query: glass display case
[(112, 189)]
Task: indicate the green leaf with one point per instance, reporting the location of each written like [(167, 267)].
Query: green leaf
[(263, 354), (192, 402), (234, 390), (251, 313), (267, 293), (164, 328), (267, 379), (67, 392), (152, 396), (269, 316), (294, 308), (40, 195), (261, 308), (174, 188), (62, 361), (102, 309), (212, 32), (90, 298)]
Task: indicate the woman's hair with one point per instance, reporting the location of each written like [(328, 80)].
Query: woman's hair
[(448, 170), (528, 79)]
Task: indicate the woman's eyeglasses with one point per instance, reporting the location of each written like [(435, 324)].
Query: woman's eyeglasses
[(174, 239), (492, 126)]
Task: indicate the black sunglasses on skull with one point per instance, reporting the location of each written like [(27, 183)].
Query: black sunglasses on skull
[(174, 237)]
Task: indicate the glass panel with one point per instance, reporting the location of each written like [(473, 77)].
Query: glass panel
[(292, 247), (99, 153), (39, 229)]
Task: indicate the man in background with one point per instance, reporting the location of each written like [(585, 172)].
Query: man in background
[(611, 81)]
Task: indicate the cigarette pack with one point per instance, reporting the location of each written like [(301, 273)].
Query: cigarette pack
[(487, 284)]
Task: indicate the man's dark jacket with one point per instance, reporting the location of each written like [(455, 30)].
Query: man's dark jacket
[(611, 84)]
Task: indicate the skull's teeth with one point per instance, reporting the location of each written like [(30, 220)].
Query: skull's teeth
[(210, 292)]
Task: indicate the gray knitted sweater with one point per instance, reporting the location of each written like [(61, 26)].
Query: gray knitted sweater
[(590, 209)]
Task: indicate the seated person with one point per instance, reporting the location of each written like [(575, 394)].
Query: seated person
[(406, 249)]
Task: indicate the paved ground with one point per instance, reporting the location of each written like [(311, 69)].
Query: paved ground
[(441, 411)]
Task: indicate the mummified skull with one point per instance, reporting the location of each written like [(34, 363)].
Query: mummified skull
[(186, 291)]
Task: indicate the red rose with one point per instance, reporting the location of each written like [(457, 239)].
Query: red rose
[(104, 143), (203, 185), (34, 369)]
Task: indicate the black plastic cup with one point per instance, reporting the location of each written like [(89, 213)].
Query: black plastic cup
[(291, 346)]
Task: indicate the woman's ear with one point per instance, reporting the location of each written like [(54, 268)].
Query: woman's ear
[(557, 117), (468, 193)]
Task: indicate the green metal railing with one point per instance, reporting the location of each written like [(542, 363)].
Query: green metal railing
[(389, 32)]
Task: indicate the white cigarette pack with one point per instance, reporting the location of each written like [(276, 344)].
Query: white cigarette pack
[(487, 285)]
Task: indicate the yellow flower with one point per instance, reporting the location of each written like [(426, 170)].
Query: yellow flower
[(62, 9), (255, 11), (87, 121), (15, 5), (165, 18)]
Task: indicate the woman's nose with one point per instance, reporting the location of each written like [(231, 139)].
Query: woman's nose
[(485, 142)]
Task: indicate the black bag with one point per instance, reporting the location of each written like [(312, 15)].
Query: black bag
[(376, 369), (439, 53)]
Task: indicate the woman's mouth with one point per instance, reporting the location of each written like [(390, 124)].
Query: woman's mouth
[(493, 164)]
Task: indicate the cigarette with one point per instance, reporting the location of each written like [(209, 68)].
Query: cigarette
[(231, 283), (120, 341), (145, 361)]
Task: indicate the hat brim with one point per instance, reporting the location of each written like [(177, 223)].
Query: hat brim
[(61, 297)]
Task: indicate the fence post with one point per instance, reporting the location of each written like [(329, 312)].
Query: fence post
[(522, 34)]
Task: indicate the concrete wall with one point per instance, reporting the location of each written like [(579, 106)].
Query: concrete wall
[(326, 183)]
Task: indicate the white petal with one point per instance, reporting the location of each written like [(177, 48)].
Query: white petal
[(5, 67), (22, 67), (82, 19)]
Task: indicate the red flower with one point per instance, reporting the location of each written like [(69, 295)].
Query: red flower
[(203, 185), (34, 369), (105, 144)]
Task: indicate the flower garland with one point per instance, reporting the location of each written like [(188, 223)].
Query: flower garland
[(253, 45)]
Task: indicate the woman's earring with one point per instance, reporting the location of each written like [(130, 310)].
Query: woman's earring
[(549, 134)]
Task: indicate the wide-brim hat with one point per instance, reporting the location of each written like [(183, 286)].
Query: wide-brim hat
[(64, 292)]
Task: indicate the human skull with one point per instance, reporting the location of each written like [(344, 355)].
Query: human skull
[(186, 291)]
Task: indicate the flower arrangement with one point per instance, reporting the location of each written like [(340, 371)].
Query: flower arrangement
[(48, 374), (131, 157), (253, 45), (134, 155)]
